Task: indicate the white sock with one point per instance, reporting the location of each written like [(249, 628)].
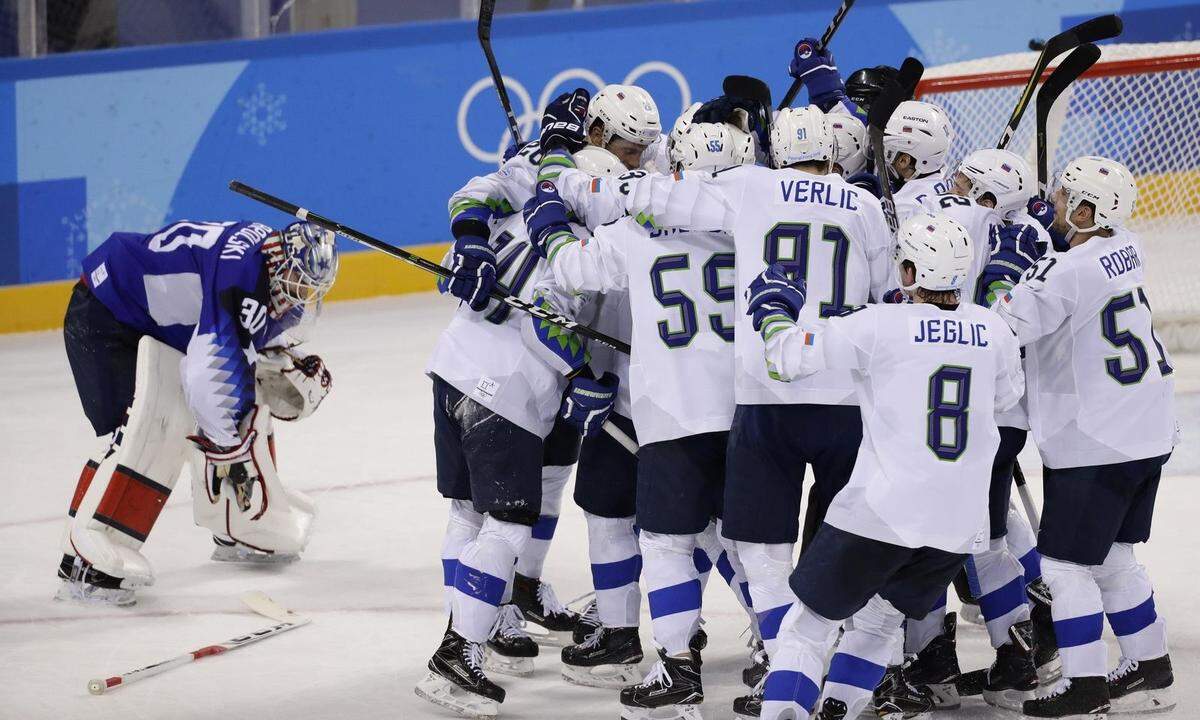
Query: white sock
[(672, 589), (798, 663), (1078, 614), (616, 566), (1022, 543), (1001, 587), (767, 568), (919, 632), (862, 656), (462, 528), (1128, 601), (484, 574), (730, 566), (533, 558)]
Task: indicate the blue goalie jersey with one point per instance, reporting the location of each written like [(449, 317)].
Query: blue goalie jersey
[(202, 288)]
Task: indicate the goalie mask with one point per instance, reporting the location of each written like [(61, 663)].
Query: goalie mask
[(302, 263)]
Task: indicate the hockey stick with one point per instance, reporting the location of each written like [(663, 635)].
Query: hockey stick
[(1094, 30), (1031, 510), (877, 119), (832, 29), (256, 601), (909, 76), (420, 262), (487, 8), (1077, 63)]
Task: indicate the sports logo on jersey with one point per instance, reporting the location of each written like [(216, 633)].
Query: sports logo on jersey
[(804, 51)]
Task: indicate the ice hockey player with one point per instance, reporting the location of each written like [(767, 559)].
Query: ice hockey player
[(162, 332), (683, 435), (1103, 437), (887, 547)]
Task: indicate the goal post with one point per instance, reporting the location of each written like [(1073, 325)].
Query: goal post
[(1138, 105)]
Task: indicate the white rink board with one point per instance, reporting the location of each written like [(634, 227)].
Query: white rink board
[(371, 579)]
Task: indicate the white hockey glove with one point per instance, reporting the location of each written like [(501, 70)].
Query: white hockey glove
[(233, 464), (291, 384)]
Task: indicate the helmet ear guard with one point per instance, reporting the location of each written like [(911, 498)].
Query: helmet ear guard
[(1002, 174)]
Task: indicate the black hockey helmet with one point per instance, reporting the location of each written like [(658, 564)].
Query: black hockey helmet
[(864, 85)]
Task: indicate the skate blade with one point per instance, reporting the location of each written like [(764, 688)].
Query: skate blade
[(514, 666), (602, 676), (896, 715), (1008, 699), (440, 691), (81, 594), (1145, 702), (1050, 672), (945, 696), (549, 638), (237, 554), (667, 712)]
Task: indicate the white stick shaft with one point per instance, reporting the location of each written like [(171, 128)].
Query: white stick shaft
[(619, 435), (1030, 508)]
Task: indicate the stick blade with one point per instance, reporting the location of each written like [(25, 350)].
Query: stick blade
[(1077, 63), (258, 601), (909, 76), (1097, 29), (884, 105)]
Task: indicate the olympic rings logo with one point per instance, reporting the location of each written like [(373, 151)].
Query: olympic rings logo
[(530, 114)]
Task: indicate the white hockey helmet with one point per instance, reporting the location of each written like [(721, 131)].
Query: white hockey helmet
[(919, 129), (597, 162), (938, 247), (703, 146), (801, 135), (1002, 174), (1106, 184), (851, 137), (626, 111)]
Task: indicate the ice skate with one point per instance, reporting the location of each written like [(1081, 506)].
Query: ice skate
[(749, 707), (84, 584), (1013, 677), (1141, 686), (758, 669), (456, 681), (897, 698), (510, 650), (607, 658), (226, 550), (671, 691), (553, 623), (588, 622), (1045, 646), (1081, 698), (936, 667)]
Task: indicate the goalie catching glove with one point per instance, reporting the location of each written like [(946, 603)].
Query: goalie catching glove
[(292, 385)]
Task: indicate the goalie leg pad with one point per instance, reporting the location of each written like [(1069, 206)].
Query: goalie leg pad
[(261, 522), (115, 510)]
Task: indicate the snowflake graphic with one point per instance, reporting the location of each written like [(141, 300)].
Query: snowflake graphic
[(262, 114), (77, 240)]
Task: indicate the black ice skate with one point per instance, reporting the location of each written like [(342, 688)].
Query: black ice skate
[(671, 691), (748, 707), (1074, 698), (699, 641), (607, 658), (588, 623), (510, 650), (936, 667), (83, 583), (1013, 678), (1142, 686), (831, 709), (897, 698), (758, 669), (456, 681), (1045, 645), (540, 606)]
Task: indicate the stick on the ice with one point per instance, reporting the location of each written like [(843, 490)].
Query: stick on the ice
[(1031, 510), (830, 31), (1094, 30), (487, 8), (286, 620), (881, 111), (416, 260), (1077, 63)]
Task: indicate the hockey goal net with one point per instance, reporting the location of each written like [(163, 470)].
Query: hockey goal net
[(1138, 105)]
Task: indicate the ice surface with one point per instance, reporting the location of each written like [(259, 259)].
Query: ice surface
[(371, 579)]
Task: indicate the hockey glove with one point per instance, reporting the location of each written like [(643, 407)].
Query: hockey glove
[(233, 464), (563, 122), (895, 296), (546, 220), (773, 293), (868, 181), (817, 70), (1014, 250), (473, 263), (1042, 211), (588, 402), (557, 346)]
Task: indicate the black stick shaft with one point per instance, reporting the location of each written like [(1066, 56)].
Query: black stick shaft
[(1077, 63), (830, 31), (487, 9), (426, 265)]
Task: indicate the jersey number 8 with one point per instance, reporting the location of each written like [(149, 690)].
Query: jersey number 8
[(949, 409)]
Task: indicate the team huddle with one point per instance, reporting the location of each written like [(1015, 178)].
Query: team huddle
[(775, 324)]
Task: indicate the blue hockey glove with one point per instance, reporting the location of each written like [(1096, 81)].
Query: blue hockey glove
[(474, 266), (588, 402), (1014, 250), (896, 296), (546, 219), (774, 293), (1042, 211), (868, 181), (819, 73), (563, 121), (557, 346)]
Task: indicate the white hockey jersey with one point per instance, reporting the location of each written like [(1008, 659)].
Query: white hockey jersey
[(822, 228), (929, 382), (482, 354), (1101, 389), (910, 199), (680, 288)]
